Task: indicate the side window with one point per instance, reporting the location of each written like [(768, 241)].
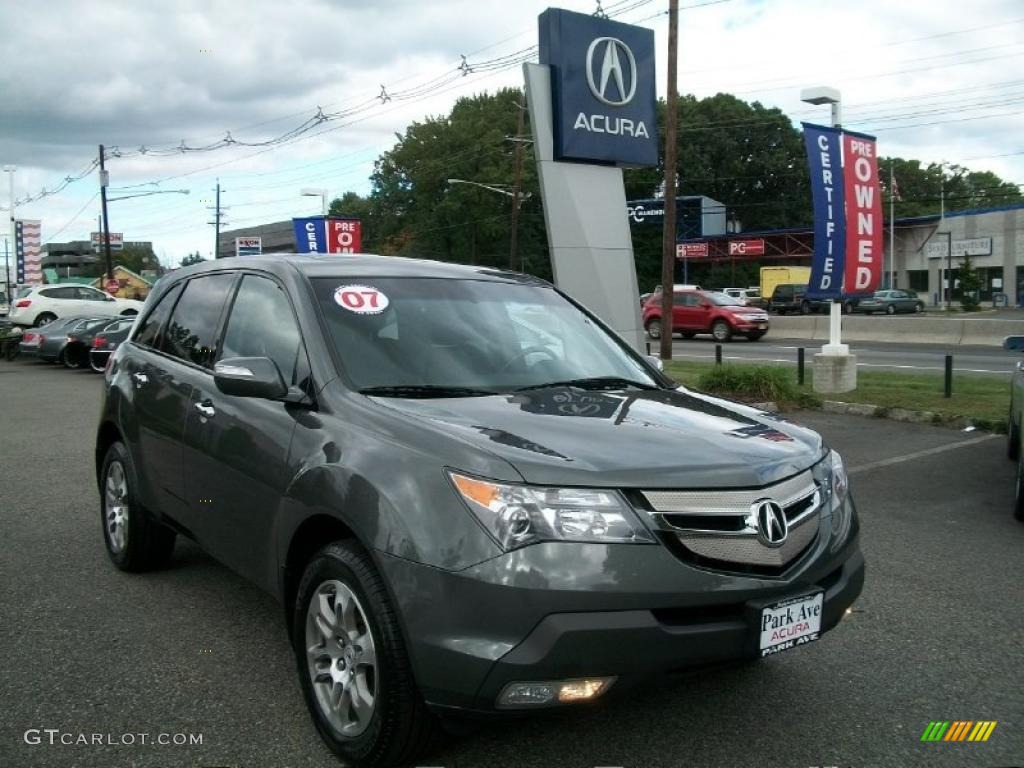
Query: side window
[(64, 292), (149, 328), (191, 332), (262, 325), (88, 294)]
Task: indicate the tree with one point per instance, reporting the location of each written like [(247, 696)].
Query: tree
[(924, 189), (192, 258), (970, 285)]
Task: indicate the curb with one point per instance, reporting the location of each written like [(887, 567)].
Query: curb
[(900, 414)]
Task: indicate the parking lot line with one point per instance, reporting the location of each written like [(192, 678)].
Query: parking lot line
[(921, 454)]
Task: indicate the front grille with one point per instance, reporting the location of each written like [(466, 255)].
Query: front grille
[(718, 529)]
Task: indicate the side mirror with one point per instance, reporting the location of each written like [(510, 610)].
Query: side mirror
[(249, 377), (655, 361), (1014, 343)]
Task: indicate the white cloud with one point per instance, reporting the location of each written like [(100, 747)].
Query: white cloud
[(127, 74)]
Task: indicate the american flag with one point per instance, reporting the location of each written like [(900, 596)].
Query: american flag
[(28, 253)]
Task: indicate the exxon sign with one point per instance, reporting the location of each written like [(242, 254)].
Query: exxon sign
[(602, 89)]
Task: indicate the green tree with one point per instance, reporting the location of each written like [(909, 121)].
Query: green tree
[(970, 285), (192, 258), (924, 188)]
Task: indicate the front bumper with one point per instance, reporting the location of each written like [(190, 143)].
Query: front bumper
[(561, 611)]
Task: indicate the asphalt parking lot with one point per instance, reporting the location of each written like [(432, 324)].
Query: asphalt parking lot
[(937, 634)]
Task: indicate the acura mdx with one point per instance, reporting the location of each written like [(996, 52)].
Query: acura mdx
[(468, 494)]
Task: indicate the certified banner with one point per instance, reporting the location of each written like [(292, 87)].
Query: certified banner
[(827, 196), (864, 250), (310, 235)]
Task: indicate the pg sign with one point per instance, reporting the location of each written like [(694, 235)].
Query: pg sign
[(320, 235), (602, 89)]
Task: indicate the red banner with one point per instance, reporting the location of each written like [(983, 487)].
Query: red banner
[(344, 236), (864, 252), (691, 250), (746, 247)]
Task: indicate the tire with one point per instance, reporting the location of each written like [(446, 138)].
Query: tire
[(720, 331), (43, 318), (755, 336), (97, 368), (397, 727), (135, 541), (1018, 502), (74, 358), (918, 308), (847, 308), (1012, 439), (890, 309), (129, 313), (687, 334), (653, 328), (805, 307)]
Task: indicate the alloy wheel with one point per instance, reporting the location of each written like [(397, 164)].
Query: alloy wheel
[(341, 658), (115, 506)]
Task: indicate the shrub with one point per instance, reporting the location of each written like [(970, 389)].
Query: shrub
[(753, 383)]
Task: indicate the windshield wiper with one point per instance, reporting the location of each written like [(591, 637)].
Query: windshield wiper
[(424, 390), (594, 382)]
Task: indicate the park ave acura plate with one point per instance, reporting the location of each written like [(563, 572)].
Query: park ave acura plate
[(791, 623)]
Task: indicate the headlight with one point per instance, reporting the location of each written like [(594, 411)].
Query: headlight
[(517, 515), (839, 501)]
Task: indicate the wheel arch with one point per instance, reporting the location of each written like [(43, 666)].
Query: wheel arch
[(107, 434)]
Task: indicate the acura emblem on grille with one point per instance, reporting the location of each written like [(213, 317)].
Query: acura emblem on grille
[(772, 528)]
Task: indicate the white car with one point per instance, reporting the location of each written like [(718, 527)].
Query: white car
[(46, 303)]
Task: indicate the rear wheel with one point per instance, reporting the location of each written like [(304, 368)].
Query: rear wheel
[(43, 318), (96, 366), (1018, 503), (755, 335), (919, 307), (1012, 439), (353, 666), (135, 541), (74, 357), (890, 309), (129, 313), (654, 329), (721, 331)]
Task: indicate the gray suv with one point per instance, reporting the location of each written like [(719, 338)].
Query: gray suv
[(469, 496)]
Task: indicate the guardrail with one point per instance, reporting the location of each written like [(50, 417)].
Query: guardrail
[(955, 331)]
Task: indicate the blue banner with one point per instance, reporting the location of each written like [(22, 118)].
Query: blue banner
[(310, 235), (828, 197)]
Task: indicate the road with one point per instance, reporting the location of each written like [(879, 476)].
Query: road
[(195, 649), (913, 358)]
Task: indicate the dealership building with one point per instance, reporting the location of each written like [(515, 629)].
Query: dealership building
[(992, 237)]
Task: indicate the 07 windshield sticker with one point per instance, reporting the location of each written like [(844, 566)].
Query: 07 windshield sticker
[(361, 299)]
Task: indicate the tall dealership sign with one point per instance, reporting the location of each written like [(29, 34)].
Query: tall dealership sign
[(847, 212), (592, 111), (327, 235)]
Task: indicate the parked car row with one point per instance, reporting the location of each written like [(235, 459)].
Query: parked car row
[(77, 342), (791, 297)]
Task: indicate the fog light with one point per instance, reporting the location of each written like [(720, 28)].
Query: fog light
[(555, 692)]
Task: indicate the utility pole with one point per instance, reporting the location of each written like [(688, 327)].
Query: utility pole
[(892, 230), (668, 240), (517, 180), (104, 182), (217, 221), (10, 169)]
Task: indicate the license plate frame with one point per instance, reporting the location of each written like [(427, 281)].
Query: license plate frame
[(789, 623)]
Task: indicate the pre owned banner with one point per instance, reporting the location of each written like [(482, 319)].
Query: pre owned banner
[(863, 214), (319, 235), (827, 196)]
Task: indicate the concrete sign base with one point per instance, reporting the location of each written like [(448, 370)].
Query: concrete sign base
[(835, 373), (588, 231)]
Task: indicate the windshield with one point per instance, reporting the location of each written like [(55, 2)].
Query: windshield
[(724, 300), (470, 334)]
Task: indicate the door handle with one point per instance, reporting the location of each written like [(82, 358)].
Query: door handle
[(206, 409), (140, 379)]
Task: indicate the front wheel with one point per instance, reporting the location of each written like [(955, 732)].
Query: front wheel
[(890, 310), (721, 331), (353, 666), (134, 540), (654, 329), (919, 308)]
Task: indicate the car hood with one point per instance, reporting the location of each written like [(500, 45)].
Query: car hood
[(642, 438)]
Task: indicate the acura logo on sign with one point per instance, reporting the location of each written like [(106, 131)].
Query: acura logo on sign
[(772, 528), (608, 67)]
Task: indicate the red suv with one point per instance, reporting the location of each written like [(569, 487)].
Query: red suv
[(696, 312)]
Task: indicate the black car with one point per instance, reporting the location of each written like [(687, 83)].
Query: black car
[(790, 297), (106, 340), (48, 342), (469, 495), (79, 341)]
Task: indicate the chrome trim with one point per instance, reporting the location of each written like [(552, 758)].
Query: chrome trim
[(750, 551), (786, 493)]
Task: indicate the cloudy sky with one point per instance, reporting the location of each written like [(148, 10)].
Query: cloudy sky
[(931, 78)]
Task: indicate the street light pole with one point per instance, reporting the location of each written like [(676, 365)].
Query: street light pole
[(104, 183), (321, 193), (9, 170)]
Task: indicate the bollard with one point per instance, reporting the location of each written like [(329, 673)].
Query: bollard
[(949, 376), (648, 348), (718, 354), (800, 366)]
